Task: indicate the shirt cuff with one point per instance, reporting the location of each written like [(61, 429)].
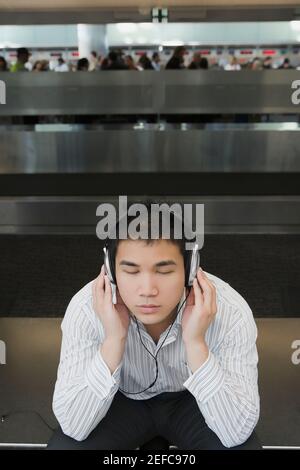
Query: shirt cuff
[(100, 379), (206, 380)]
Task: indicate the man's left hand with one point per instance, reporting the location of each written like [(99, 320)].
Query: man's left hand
[(200, 310)]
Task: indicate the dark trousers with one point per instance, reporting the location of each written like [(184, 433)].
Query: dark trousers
[(130, 423)]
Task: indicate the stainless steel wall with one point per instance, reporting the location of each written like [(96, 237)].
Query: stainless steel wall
[(222, 214), (149, 92), (225, 149)]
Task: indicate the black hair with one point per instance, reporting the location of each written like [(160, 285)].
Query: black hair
[(112, 243), (82, 63), (22, 50), (113, 56), (203, 63)]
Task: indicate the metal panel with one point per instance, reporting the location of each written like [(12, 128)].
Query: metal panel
[(149, 150), (72, 93), (149, 92), (223, 214), (229, 92)]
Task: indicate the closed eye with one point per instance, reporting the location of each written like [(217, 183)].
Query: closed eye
[(136, 272)]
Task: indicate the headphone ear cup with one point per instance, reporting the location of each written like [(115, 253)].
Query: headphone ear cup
[(187, 262), (111, 266), (107, 263), (192, 266)]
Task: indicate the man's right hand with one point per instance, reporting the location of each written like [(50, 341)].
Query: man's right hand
[(115, 318)]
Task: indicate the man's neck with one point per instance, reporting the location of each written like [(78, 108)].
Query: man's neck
[(156, 330)]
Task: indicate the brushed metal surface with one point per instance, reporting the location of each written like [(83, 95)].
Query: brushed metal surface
[(168, 92), (108, 151)]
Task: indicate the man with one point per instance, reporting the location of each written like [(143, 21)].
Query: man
[(22, 59), (115, 62), (286, 64), (176, 62), (61, 66), (93, 62), (200, 393), (156, 62)]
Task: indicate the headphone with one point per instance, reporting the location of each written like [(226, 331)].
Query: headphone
[(191, 265)]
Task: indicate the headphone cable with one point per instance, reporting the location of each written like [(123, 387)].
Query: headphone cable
[(154, 357)]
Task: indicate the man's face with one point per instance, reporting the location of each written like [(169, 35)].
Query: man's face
[(150, 274)]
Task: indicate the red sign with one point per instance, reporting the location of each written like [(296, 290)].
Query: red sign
[(269, 52)]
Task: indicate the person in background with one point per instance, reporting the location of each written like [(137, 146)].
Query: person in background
[(256, 64), (3, 65), (156, 61), (114, 62), (29, 63), (22, 59), (93, 62), (203, 64), (129, 61), (233, 65), (83, 65), (99, 62), (104, 63), (61, 66), (195, 61), (144, 63), (39, 66), (267, 63), (176, 62), (286, 64)]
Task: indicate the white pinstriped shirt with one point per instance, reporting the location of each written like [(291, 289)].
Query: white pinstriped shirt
[(225, 386)]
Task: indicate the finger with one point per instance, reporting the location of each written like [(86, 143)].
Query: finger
[(101, 281), (209, 281), (208, 289), (108, 292), (213, 287), (102, 271), (205, 284), (97, 294), (199, 299), (94, 289), (191, 297)]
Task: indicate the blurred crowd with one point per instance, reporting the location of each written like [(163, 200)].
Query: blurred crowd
[(118, 60)]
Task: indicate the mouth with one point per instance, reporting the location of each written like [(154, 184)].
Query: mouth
[(148, 308)]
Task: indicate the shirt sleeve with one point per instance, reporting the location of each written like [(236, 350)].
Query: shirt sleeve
[(226, 385), (85, 387)]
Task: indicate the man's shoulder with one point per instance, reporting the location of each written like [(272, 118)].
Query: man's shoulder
[(230, 302), (80, 308)]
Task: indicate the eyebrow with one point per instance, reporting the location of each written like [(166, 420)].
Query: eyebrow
[(167, 262)]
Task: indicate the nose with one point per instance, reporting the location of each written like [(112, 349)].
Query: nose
[(148, 287)]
